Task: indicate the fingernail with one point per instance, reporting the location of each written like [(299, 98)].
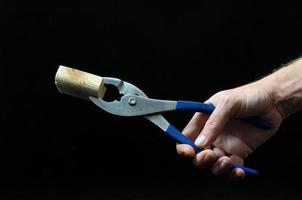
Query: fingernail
[(201, 140)]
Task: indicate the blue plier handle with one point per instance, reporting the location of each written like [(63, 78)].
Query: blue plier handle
[(135, 102)]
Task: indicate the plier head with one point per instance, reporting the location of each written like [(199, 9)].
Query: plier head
[(124, 87), (125, 105)]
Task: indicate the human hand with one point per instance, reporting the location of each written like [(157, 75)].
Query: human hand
[(224, 135)]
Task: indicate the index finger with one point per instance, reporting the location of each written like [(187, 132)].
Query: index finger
[(192, 130)]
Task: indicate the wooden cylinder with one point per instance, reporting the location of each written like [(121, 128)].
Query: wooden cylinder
[(79, 83)]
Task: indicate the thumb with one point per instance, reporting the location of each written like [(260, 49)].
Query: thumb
[(225, 110)]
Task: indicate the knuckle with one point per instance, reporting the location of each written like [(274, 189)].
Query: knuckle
[(231, 103), (227, 98)]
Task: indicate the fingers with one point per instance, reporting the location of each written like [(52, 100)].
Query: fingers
[(224, 111), (205, 159), (185, 150), (237, 173), (204, 130), (195, 125), (192, 129), (208, 159), (221, 166), (224, 165)]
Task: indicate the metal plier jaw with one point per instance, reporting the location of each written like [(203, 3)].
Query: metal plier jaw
[(120, 107), (134, 102)]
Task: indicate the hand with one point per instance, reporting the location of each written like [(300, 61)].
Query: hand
[(224, 135)]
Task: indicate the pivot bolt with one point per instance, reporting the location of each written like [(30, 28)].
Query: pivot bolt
[(131, 101)]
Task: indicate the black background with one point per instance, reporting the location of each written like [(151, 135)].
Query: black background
[(55, 146)]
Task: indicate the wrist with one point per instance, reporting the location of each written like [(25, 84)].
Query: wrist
[(285, 88)]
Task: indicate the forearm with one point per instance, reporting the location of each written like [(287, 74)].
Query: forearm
[(286, 87)]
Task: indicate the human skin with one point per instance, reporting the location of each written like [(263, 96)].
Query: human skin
[(272, 98)]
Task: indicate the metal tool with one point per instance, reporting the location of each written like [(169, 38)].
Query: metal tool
[(134, 102)]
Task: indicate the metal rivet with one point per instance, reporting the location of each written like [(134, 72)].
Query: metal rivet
[(131, 101)]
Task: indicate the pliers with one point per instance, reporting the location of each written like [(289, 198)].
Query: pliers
[(134, 102)]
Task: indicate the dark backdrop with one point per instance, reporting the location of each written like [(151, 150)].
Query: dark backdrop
[(57, 146)]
